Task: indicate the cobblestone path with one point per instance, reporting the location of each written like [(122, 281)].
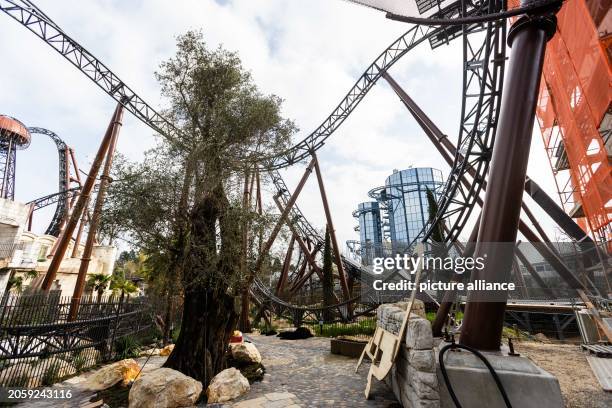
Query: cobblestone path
[(303, 373)]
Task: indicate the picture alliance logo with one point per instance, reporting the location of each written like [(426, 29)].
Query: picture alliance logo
[(409, 263)]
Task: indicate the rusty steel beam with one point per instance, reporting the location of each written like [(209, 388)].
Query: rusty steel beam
[(286, 264), (534, 274), (80, 204), (448, 150), (266, 247), (105, 181), (483, 320), (332, 232), (310, 257)]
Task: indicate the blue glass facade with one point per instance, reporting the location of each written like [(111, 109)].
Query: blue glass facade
[(406, 201), (370, 229)]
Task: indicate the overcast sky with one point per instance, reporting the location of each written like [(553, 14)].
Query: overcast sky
[(307, 52)]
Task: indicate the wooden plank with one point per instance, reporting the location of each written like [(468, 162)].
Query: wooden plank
[(602, 368)]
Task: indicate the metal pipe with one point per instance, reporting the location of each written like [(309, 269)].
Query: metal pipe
[(80, 204), (95, 218), (483, 321)]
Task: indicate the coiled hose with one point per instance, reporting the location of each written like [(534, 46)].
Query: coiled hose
[(478, 354)]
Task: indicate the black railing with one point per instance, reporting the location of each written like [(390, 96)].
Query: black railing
[(39, 346)]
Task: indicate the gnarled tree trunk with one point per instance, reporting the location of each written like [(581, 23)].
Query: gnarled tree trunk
[(209, 315)]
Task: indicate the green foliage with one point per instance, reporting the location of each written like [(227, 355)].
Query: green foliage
[(79, 361), (365, 327), (431, 316), (15, 281), (127, 347), (52, 373), (99, 282), (328, 276), (17, 381), (175, 334)]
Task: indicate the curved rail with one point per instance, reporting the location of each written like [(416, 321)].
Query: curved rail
[(62, 196), (481, 93)]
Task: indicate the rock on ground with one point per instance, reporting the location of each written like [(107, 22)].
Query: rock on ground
[(245, 352), (106, 377), (227, 385), (164, 388), (166, 350)]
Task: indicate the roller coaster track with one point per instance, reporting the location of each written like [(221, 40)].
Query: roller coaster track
[(61, 196), (50, 199), (484, 58)]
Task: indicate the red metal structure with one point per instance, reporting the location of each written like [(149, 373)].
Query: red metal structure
[(13, 135), (575, 112)]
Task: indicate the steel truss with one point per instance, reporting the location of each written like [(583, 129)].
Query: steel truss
[(62, 196), (484, 58)]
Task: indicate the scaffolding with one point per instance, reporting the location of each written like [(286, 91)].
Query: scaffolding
[(574, 113)]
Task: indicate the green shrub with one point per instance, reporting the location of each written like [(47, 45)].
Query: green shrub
[(126, 347), (51, 375), (364, 327), (175, 334), (79, 361)]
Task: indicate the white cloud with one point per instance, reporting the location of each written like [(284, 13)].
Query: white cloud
[(309, 53)]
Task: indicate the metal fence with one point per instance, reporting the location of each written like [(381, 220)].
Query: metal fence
[(39, 346)]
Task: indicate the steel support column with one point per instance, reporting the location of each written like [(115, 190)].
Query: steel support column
[(95, 219), (332, 232), (79, 206), (483, 321), (266, 247)]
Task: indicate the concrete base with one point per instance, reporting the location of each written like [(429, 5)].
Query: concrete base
[(527, 385)]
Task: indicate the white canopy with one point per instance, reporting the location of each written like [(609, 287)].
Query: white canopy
[(406, 7)]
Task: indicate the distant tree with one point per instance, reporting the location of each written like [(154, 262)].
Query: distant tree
[(99, 283), (432, 209), (328, 277)]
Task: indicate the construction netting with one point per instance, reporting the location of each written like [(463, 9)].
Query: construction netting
[(574, 98)]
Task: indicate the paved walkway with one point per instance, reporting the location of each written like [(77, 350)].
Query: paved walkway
[(299, 373), (303, 373)]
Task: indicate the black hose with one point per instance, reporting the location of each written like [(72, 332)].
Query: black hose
[(453, 346)]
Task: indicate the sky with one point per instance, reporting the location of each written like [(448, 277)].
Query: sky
[(308, 52)]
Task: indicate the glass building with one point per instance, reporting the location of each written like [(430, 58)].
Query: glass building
[(370, 229), (405, 193)]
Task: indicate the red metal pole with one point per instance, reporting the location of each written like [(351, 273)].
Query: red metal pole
[(95, 219), (266, 247), (80, 204), (483, 320), (332, 232), (286, 264)]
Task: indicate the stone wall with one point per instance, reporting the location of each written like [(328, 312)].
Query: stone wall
[(413, 377)]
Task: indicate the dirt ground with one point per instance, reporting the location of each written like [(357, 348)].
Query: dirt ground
[(568, 363)]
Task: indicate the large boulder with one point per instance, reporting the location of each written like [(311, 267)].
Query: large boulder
[(245, 353), (166, 350), (227, 385), (164, 388), (150, 352), (122, 371)]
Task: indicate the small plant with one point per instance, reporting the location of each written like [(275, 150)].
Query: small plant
[(127, 347), (79, 361), (18, 381), (52, 373), (175, 334)]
